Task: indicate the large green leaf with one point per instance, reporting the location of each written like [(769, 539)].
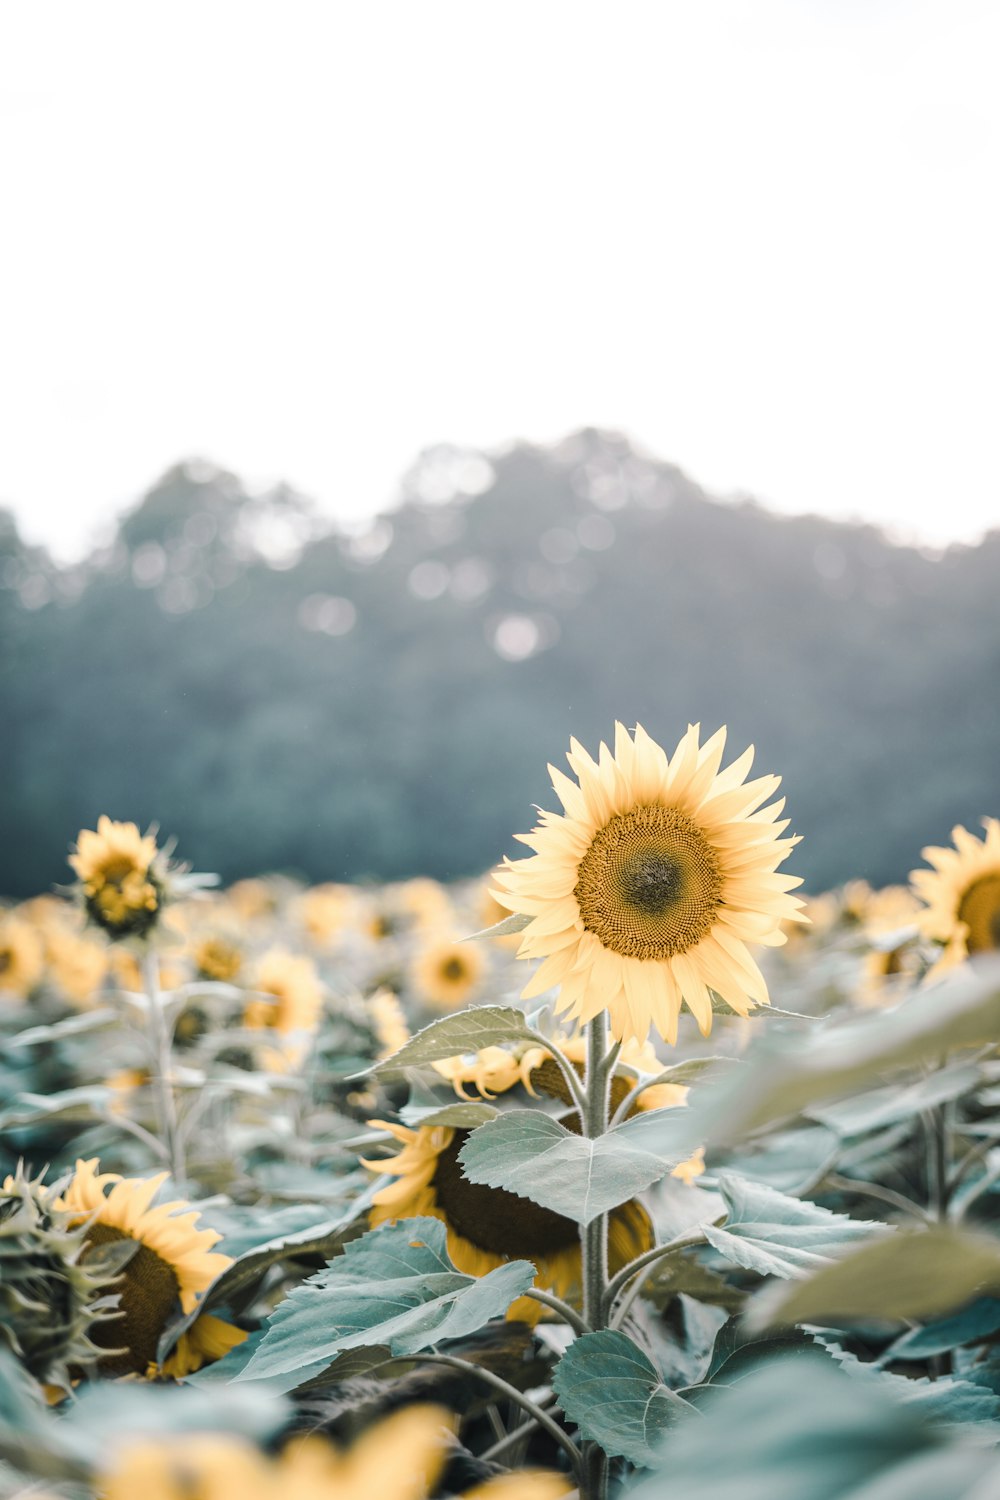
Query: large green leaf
[(947, 1399), (781, 1077), (775, 1235), (615, 1395), (886, 1106), (71, 1104), (531, 1154), (911, 1275), (395, 1286), (466, 1031), (973, 1325)]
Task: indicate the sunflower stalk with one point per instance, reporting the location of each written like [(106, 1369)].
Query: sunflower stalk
[(158, 1037), (594, 1236)]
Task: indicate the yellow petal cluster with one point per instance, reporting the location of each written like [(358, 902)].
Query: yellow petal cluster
[(647, 890), (113, 866), (961, 895)]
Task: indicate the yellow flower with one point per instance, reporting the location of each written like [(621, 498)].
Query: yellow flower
[(961, 895), (325, 909), (294, 1011), (488, 1226), (122, 893), (388, 1022), (172, 1267), (647, 891), (216, 958), (21, 958), (398, 1458), (445, 973), (424, 901), (76, 965)]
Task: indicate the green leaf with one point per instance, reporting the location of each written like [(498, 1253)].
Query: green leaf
[(615, 1395), (946, 1399), (506, 927), (911, 1275), (792, 1161), (974, 1324), (886, 1106), (88, 1020), (244, 1274), (780, 1077), (739, 1351), (74, 1104), (466, 1031), (682, 1274), (430, 1106), (775, 1235), (395, 1286), (531, 1154)]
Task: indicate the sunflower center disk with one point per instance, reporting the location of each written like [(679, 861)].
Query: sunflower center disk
[(494, 1219), (979, 908), (148, 1293), (650, 884)]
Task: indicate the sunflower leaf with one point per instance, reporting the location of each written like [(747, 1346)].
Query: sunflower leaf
[(616, 1396), (466, 1031), (912, 1275), (396, 1286), (506, 927), (776, 1235), (530, 1154)]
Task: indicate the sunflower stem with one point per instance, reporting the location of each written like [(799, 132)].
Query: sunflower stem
[(594, 1236), (568, 1314), (158, 1036), (512, 1393)]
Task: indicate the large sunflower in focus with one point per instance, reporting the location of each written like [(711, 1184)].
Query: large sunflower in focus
[(173, 1265), (962, 895), (646, 891)]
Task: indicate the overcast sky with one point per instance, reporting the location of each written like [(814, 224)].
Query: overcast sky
[(305, 240)]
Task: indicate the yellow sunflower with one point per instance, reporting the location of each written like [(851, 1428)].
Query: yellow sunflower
[(21, 956), (218, 959), (445, 973), (388, 1022), (292, 1009), (398, 1458), (961, 895), (122, 890), (75, 964), (646, 892), (171, 1269), (325, 910), (488, 1226)]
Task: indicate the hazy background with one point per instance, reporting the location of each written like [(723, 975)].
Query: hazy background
[(582, 259)]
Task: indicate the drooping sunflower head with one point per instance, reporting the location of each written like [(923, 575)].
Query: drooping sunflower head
[(645, 892), (21, 957), (446, 973), (172, 1265), (120, 877), (488, 1226), (961, 895)]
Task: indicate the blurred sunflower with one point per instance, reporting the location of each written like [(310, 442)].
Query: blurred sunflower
[(961, 895), (218, 959), (424, 902), (121, 884), (388, 1022), (446, 973), (324, 910), (398, 1458), (293, 1008), (75, 964), (645, 894), (488, 1226), (172, 1266), (21, 956)]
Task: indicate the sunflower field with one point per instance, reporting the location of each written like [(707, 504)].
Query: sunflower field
[(624, 1170)]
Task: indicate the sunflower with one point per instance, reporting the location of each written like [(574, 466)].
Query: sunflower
[(325, 909), (961, 895), (121, 884), (75, 964), (398, 1458), (292, 1009), (387, 1021), (488, 1226), (218, 959), (21, 956), (172, 1267), (647, 891), (445, 973)]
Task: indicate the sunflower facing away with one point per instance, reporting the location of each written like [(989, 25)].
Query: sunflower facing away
[(398, 1458), (122, 888), (646, 891), (172, 1267), (962, 895)]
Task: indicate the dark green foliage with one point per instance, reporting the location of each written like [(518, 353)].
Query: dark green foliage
[(864, 672)]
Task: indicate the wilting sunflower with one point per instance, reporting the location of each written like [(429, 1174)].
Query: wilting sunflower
[(646, 892), (172, 1267), (399, 1458), (21, 957), (445, 973), (120, 876), (962, 895)]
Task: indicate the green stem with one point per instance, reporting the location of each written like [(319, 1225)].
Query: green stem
[(643, 1263), (937, 1163), (594, 1236), (568, 1314), (513, 1394), (164, 1103)]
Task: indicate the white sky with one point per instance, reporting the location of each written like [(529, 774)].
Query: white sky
[(306, 238)]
